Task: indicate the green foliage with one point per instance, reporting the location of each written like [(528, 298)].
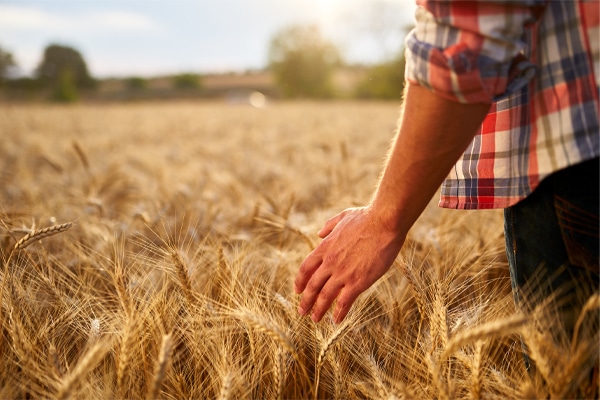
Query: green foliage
[(383, 81), (6, 64), (187, 81), (136, 83), (24, 84), (60, 60), (65, 91), (303, 62)]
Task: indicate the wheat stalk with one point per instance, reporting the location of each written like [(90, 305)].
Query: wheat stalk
[(160, 370), (438, 379), (40, 234)]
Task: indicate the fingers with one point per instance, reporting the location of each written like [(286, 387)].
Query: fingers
[(325, 299), (313, 289), (307, 269), (331, 224), (344, 303)]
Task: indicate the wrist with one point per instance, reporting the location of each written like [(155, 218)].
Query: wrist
[(388, 216)]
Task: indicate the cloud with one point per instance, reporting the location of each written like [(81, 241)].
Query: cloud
[(20, 18)]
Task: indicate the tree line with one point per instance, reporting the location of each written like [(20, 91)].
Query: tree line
[(301, 59)]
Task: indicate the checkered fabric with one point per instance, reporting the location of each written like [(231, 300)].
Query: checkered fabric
[(537, 63)]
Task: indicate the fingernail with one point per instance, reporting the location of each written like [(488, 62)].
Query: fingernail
[(300, 310), (313, 317)]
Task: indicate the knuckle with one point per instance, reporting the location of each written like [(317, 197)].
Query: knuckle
[(343, 304), (330, 259), (326, 296), (312, 286)]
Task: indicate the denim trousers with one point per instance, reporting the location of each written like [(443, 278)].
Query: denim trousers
[(552, 241)]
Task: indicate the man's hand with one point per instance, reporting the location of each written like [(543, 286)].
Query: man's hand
[(357, 250), (360, 244)]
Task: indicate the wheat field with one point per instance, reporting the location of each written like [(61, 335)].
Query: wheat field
[(149, 251)]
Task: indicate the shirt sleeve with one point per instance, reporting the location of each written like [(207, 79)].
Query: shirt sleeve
[(471, 51)]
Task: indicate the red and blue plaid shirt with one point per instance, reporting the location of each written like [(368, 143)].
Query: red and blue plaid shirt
[(537, 63)]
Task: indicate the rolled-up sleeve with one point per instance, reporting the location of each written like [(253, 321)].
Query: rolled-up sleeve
[(471, 51)]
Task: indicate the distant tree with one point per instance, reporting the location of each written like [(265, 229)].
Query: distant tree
[(303, 62), (65, 91), (383, 81), (60, 61), (136, 83), (186, 81), (7, 63)]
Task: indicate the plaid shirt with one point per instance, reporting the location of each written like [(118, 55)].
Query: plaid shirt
[(537, 63)]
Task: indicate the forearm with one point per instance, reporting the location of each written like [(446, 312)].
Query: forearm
[(432, 134)]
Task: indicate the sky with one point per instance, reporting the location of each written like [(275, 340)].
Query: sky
[(120, 38)]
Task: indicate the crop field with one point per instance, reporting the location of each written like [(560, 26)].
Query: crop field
[(149, 252)]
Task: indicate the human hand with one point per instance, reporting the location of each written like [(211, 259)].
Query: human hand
[(357, 249)]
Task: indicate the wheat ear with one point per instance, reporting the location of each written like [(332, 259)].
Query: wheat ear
[(494, 328), (593, 303), (160, 370), (226, 387), (337, 334), (279, 372), (267, 327), (125, 354), (476, 370), (182, 274), (39, 234), (91, 358), (382, 391), (81, 154)]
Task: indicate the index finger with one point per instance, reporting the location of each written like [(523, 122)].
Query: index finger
[(306, 271)]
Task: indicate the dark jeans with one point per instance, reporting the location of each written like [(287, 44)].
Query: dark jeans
[(552, 241)]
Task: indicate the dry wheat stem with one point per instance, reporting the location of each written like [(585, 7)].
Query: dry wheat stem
[(438, 378), (40, 234), (160, 370)]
